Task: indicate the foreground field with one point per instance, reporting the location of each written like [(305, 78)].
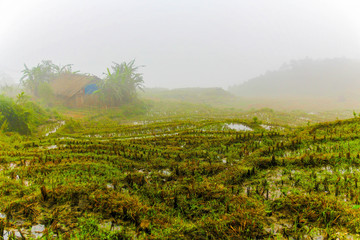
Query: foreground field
[(258, 174)]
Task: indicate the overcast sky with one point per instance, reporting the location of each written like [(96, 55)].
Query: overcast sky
[(182, 43)]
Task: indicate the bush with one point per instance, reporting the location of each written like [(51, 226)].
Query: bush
[(22, 118), (13, 118)]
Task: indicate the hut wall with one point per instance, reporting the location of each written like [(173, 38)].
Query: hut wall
[(77, 100)]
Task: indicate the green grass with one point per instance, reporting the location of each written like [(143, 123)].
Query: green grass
[(176, 171)]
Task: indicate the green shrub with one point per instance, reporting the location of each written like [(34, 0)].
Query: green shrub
[(14, 118), (22, 117)]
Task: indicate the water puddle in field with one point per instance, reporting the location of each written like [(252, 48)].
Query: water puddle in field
[(270, 127), (8, 234), (237, 127), (54, 130), (12, 165), (117, 136), (69, 138), (166, 172), (37, 230), (266, 127), (52, 147), (141, 122), (327, 169), (278, 225)]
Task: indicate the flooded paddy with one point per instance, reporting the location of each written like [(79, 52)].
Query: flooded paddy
[(237, 127)]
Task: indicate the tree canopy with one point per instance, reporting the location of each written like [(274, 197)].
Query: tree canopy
[(119, 85)]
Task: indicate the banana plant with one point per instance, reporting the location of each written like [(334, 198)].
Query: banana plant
[(44, 72), (121, 83)]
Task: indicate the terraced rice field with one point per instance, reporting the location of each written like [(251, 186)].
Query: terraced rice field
[(223, 178)]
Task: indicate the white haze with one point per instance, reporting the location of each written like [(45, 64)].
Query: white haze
[(185, 43)]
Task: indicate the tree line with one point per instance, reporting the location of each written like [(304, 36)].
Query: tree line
[(119, 85)]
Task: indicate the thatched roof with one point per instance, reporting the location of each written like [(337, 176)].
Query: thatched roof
[(68, 84)]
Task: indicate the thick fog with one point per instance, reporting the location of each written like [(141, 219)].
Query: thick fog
[(183, 43)]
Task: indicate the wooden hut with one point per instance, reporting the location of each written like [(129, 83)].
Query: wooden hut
[(69, 88)]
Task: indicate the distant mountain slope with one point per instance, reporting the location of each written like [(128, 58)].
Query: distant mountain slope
[(306, 78), (212, 96)]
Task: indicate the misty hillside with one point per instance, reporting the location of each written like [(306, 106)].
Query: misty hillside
[(212, 96), (306, 78), (5, 79)]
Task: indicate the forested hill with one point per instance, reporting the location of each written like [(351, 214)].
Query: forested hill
[(306, 78)]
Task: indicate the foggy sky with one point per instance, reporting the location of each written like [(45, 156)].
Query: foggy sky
[(185, 43)]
